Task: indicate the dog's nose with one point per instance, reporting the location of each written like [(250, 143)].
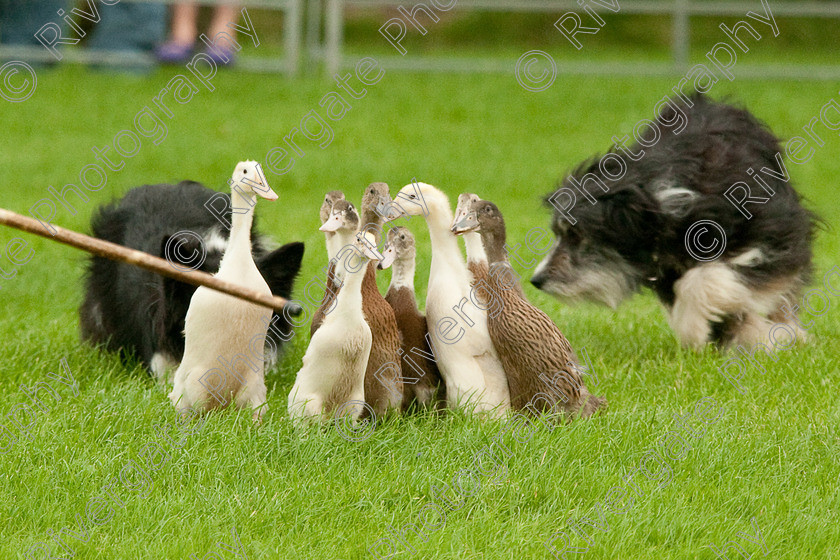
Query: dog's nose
[(537, 281), (294, 309)]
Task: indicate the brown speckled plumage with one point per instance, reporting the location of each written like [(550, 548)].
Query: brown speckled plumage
[(528, 342), (479, 271)]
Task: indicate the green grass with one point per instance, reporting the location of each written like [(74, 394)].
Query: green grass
[(773, 454)]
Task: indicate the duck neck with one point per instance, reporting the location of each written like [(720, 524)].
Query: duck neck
[(494, 245), (349, 299), (341, 239), (444, 243), (475, 248), (372, 222), (240, 229), (331, 240), (403, 274)]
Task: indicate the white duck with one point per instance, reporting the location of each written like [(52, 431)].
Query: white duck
[(476, 255), (218, 328), (469, 365), (331, 286), (326, 211), (334, 365)]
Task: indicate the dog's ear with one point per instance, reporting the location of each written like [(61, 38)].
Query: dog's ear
[(280, 268), (109, 222)]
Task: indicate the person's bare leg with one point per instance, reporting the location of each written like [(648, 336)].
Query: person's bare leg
[(222, 15), (184, 23)]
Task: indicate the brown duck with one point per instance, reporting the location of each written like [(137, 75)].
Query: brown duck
[(331, 286), (383, 378), (477, 261), (536, 356), (417, 358)]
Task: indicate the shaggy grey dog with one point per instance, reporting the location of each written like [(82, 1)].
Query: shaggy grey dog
[(703, 213)]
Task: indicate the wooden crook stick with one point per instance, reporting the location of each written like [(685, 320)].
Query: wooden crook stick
[(134, 257)]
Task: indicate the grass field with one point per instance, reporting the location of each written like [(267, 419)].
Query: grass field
[(772, 455)]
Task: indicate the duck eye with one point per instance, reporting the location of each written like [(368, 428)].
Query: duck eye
[(412, 197), (402, 236)]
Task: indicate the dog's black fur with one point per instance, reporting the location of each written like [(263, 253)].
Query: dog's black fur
[(142, 314), (635, 234)]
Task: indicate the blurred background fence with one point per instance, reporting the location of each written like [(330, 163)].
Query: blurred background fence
[(667, 33)]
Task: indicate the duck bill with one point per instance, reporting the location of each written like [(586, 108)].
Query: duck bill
[(467, 224), (370, 251), (460, 216), (389, 209), (261, 187), (367, 246), (333, 223), (388, 256), (266, 192)]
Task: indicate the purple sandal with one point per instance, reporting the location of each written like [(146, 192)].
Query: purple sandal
[(174, 53), (221, 55)]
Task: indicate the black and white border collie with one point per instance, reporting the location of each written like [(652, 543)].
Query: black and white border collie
[(141, 314), (638, 217)]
